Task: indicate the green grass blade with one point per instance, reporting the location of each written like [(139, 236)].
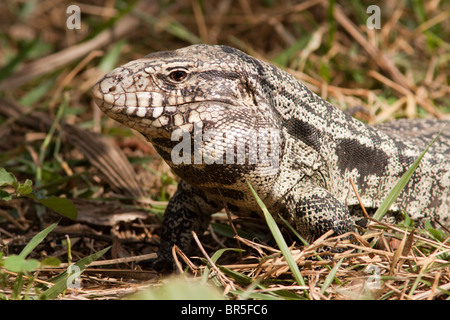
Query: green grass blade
[(393, 194), (240, 278), (22, 55), (111, 58), (279, 240), (214, 258), (295, 232), (36, 240), (171, 26), (329, 279), (38, 92), (61, 280)]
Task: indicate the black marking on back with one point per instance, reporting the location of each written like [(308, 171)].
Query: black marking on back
[(367, 160), (305, 132)]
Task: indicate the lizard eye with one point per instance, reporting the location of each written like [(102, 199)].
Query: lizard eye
[(178, 75)]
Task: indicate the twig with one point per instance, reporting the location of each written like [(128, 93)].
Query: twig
[(119, 260), (359, 199), (231, 222), (221, 277)]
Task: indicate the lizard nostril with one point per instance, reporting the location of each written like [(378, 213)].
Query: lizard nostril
[(113, 88)]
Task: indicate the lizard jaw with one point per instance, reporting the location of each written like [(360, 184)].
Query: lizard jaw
[(147, 111)]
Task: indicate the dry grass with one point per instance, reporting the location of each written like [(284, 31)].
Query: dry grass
[(400, 70)]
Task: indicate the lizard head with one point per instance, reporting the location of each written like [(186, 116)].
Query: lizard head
[(170, 90), (202, 91)]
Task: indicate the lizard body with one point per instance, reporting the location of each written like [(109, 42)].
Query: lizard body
[(220, 118)]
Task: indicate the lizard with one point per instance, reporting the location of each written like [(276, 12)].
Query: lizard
[(221, 119)]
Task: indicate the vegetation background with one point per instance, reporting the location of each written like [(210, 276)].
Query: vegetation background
[(60, 153)]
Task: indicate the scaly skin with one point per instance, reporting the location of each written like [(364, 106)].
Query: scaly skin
[(236, 119)]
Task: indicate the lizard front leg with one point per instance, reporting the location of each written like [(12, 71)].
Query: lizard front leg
[(188, 210), (313, 211)]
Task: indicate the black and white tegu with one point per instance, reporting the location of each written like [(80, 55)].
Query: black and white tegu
[(220, 118)]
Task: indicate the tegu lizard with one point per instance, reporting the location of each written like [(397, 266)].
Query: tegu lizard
[(221, 118)]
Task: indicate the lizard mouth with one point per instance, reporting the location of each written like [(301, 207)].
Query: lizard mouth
[(134, 105), (152, 109)]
